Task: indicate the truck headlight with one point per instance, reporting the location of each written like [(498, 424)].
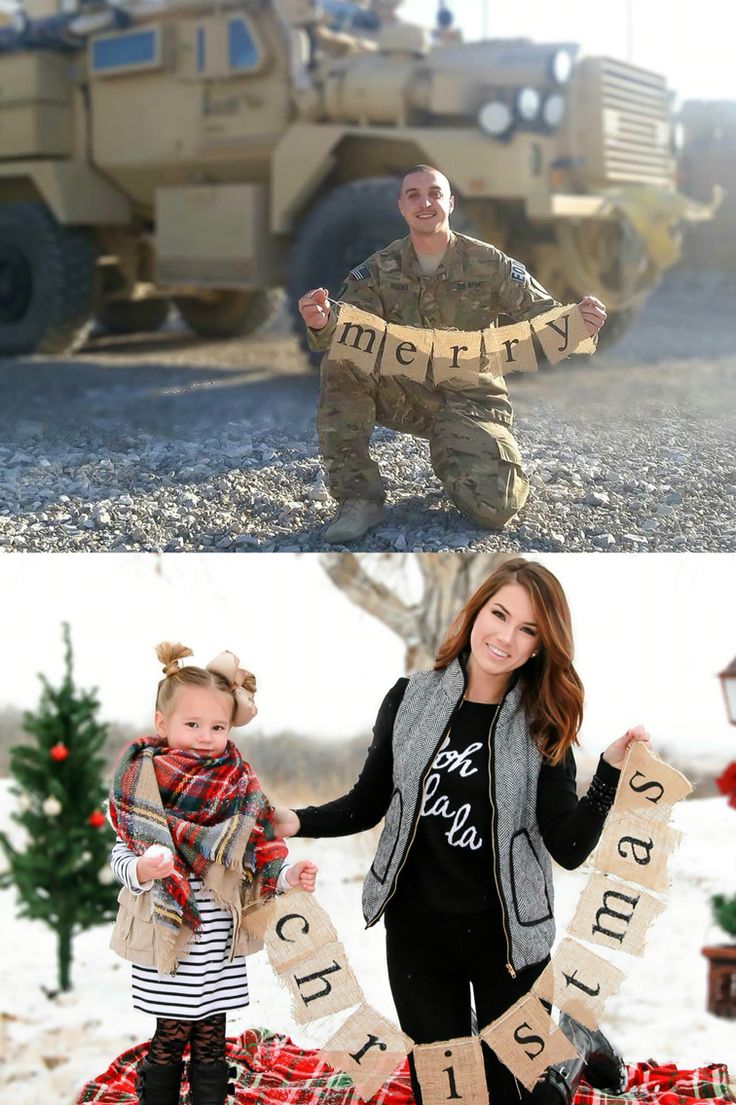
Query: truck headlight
[(528, 102), (553, 110), (561, 66), (495, 118)]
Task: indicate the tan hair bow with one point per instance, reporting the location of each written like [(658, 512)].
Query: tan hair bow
[(226, 665)]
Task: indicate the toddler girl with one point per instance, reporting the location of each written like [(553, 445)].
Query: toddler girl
[(198, 857)]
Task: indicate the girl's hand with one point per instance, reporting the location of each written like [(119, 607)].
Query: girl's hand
[(615, 754), (285, 821), (156, 863), (302, 874)]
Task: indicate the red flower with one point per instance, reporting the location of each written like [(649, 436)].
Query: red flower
[(726, 783), (59, 752), (96, 819)]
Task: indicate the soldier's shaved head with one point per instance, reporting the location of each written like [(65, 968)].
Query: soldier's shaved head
[(424, 169)]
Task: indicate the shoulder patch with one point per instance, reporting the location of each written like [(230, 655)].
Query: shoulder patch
[(518, 272), (360, 272)]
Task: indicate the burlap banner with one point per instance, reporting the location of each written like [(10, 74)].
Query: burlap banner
[(372, 345), (527, 1040), (452, 1071), (406, 352), (300, 928), (358, 338), (614, 914), (578, 981), (456, 357), (636, 849), (510, 349), (304, 950), (321, 984), (561, 331), (648, 785), (368, 1048)]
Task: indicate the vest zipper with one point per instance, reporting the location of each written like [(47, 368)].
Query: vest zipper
[(494, 816), (420, 797)]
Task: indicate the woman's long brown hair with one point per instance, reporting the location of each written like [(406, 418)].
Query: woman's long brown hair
[(551, 688)]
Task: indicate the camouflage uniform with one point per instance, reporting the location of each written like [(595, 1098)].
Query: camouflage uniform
[(472, 448)]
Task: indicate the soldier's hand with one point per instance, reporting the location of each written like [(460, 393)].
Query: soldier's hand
[(314, 307), (593, 312)]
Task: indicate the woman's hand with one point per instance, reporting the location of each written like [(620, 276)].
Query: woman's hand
[(615, 754), (156, 863), (285, 821), (302, 874)]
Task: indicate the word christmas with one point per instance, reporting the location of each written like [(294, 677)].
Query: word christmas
[(615, 910), (456, 357)]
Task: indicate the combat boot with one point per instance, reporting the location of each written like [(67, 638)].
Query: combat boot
[(158, 1083), (209, 1082), (354, 518)]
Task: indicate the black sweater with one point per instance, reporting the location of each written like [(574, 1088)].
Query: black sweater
[(570, 827)]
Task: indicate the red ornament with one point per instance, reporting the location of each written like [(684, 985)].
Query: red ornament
[(96, 819), (59, 752)]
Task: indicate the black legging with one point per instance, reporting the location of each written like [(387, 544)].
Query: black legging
[(433, 961), (206, 1039)]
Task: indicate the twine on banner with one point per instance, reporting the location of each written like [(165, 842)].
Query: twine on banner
[(616, 908), (456, 357)]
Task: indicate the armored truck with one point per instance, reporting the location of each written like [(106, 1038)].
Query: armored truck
[(213, 152)]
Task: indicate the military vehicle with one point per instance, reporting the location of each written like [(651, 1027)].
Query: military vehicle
[(211, 152), (707, 163)]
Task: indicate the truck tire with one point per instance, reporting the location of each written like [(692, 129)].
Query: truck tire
[(231, 314), (350, 223), (132, 316), (47, 282)]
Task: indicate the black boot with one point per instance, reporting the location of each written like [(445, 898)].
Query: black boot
[(208, 1082), (158, 1083), (599, 1064)]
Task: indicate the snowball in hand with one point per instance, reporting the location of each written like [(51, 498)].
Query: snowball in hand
[(157, 851)]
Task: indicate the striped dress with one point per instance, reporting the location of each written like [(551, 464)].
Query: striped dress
[(206, 981)]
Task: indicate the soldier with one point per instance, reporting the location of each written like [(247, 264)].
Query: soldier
[(443, 280)]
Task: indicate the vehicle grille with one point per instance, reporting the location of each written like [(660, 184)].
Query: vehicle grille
[(626, 132)]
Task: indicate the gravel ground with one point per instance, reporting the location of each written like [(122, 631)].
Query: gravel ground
[(165, 443)]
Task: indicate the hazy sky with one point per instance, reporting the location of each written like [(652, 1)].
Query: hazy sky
[(651, 634), (690, 43)]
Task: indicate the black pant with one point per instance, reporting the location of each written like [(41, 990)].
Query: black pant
[(433, 962)]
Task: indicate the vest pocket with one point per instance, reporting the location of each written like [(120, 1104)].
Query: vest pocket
[(528, 884), (389, 838)]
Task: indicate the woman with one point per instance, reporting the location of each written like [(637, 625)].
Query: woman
[(471, 765)]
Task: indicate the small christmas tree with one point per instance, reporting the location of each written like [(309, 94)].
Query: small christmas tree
[(61, 874)]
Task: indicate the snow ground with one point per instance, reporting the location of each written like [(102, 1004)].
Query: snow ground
[(50, 1047)]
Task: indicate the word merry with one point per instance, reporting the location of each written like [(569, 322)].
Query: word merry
[(456, 358)]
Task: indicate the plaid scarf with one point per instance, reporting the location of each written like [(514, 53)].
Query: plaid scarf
[(209, 811)]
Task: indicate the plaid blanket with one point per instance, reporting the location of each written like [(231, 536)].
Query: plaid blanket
[(205, 810), (274, 1071)]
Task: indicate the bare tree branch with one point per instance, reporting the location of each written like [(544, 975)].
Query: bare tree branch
[(346, 572), (448, 580)]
